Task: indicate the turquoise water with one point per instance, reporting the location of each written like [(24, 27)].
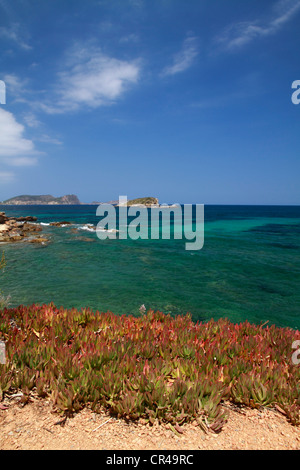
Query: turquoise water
[(249, 267)]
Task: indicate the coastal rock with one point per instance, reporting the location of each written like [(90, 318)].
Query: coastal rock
[(3, 217), (28, 218), (17, 229), (4, 237), (31, 228), (86, 239), (60, 224), (15, 236), (41, 240), (4, 227)]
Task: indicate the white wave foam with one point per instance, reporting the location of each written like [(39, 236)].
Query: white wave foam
[(112, 230), (88, 228)]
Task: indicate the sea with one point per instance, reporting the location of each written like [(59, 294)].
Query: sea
[(248, 268)]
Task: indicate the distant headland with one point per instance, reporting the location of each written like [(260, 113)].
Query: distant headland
[(37, 200)]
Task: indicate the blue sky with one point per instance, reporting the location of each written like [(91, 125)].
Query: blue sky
[(189, 101)]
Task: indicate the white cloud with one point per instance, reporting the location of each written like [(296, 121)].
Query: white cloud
[(17, 89), (23, 161), (184, 59), (15, 149), (91, 79), (242, 33)]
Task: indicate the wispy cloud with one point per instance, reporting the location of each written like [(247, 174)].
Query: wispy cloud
[(230, 99), (6, 177), (184, 58), (129, 38), (13, 34), (247, 87), (91, 79), (31, 120), (49, 140), (240, 34), (137, 3), (16, 89)]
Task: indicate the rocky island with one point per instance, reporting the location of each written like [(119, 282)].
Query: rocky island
[(42, 200), (145, 201)]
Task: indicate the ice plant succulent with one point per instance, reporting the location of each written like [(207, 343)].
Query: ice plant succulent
[(155, 366)]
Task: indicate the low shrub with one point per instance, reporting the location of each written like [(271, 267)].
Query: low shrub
[(154, 367)]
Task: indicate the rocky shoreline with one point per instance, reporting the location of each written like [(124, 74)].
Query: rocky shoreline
[(16, 229)]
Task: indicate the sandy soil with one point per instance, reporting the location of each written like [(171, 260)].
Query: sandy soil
[(32, 427)]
